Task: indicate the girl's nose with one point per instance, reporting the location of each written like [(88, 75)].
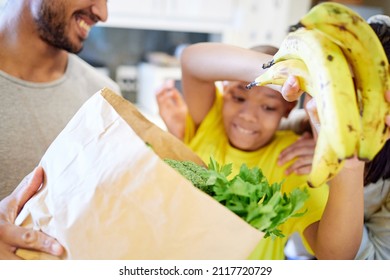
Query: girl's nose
[(249, 113)]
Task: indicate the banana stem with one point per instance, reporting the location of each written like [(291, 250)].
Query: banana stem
[(294, 27), (251, 85), (268, 64)]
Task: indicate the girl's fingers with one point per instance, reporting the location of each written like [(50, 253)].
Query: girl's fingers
[(291, 90)]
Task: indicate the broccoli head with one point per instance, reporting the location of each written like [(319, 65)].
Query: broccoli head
[(196, 174)]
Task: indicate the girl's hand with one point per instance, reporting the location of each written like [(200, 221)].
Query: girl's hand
[(172, 109), (311, 109), (291, 90)]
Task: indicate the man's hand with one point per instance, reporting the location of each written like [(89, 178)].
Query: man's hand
[(303, 151), (13, 237)]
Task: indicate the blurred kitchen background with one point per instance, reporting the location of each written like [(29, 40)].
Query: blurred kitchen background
[(140, 43)]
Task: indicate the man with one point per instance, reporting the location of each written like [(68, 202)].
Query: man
[(42, 80)]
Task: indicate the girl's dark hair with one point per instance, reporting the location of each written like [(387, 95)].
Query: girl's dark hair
[(383, 33), (379, 167)]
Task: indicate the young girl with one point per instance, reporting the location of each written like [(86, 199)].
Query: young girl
[(237, 126)]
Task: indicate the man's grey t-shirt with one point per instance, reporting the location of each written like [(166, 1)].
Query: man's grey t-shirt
[(33, 114)]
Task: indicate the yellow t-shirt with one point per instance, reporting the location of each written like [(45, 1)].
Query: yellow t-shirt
[(210, 139)]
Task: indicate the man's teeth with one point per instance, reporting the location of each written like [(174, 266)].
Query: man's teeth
[(84, 25)]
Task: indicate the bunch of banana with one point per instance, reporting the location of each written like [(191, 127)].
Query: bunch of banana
[(326, 163), (369, 64), (279, 72), (339, 60), (332, 86)]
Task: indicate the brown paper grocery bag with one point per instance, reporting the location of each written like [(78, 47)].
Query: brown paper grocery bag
[(164, 144), (108, 195)]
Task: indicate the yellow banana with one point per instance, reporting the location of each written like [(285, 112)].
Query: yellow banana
[(369, 64), (325, 163), (278, 73), (333, 87)]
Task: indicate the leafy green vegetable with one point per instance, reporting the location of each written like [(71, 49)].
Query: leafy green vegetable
[(248, 194), (193, 172)]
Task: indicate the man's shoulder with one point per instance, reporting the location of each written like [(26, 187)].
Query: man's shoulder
[(80, 67)]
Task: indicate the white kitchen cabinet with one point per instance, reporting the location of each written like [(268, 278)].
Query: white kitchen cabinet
[(2, 3), (205, 16), (240, 22), (201, 10), (135, 8), (265, 21)]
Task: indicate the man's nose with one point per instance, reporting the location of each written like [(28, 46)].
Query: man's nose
[(99, 9)]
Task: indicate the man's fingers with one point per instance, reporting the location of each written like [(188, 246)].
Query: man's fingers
[(301, 166), (7, 252), (13, 236), (304, 170), (19, 237), (29, 186), (294, 153), (306, 135), (11, 205), (298, 149)]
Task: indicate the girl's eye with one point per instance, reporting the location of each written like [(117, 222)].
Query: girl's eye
[(268, 108), (238, 98)]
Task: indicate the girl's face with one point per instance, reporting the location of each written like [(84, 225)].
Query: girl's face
[(251, 117)]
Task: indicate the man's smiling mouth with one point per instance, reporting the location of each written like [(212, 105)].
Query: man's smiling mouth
[(84, 25)]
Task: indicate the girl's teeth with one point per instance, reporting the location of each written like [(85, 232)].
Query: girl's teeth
[(243, 130)]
